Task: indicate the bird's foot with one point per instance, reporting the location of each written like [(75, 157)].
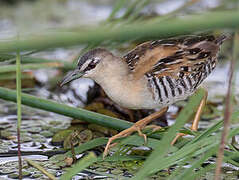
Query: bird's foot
[(137, 127), (177, 137), (153, 127)]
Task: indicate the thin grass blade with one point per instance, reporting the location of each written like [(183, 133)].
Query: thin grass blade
[(19, 111)]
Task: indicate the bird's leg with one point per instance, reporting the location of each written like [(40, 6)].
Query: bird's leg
[(137, 127), (153, 127), (197, 116)]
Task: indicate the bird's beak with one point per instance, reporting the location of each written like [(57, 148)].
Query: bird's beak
[(72, 76)]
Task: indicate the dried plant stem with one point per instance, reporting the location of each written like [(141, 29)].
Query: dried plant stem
[(227, 116), (37, 166), (19, 111)]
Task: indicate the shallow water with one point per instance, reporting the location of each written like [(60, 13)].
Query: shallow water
[(38, 127)]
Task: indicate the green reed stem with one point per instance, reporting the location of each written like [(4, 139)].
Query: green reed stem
[(12, 67), (19, 110), (77, 113), (40, 168), (147, 30), (30, 60)]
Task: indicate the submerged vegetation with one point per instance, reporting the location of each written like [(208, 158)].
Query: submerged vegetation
[(62, 147)]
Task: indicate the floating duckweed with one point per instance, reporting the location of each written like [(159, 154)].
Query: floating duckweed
[(60, 136), (35, 130), (86, 135), (6, 134), (46, 134), (15, 175), (101, 129), (116, 171)]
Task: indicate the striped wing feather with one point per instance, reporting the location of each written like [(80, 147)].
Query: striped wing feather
[(176, 65), (171, 56)]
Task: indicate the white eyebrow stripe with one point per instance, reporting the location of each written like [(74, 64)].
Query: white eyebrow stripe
[(85, 65), (96, 60)]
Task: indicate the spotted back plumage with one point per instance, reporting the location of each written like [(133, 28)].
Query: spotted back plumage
[(174, 68)]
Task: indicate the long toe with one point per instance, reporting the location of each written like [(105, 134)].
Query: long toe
[(153, 127), (125, 133), (108, 146), (137, 127), (177, 137)]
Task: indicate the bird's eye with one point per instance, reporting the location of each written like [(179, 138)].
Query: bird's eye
[(90, 66)]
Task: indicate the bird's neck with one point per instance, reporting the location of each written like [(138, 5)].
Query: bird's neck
[(117, 82), (112, 72)]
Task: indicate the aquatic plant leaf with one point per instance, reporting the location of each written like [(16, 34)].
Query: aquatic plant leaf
[(60, 136), (79, 166), (88, 145)]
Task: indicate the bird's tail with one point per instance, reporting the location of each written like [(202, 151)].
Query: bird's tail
[(220, 39)]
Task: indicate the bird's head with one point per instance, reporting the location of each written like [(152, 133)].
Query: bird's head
[(88, 65)]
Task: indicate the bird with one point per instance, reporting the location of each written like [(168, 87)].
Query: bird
[(155, 74)]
